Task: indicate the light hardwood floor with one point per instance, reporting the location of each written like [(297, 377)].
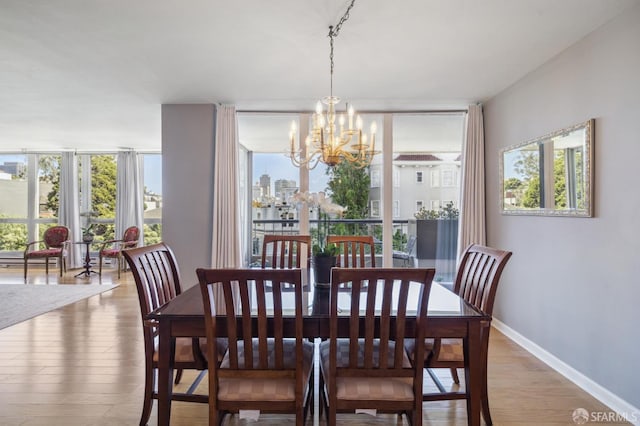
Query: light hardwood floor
[(83, 365)]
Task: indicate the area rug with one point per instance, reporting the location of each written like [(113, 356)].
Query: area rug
[(19, 302)]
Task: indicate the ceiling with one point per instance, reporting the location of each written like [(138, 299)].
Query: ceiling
[(92, 74)]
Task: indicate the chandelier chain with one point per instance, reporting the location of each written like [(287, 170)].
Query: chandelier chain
[(333, 33), (333, 137)]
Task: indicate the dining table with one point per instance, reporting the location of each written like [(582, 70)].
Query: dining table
[(449, 316)]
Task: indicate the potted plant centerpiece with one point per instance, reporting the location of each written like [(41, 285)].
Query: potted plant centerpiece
[(87, 230), (91, 229), (324, 256)]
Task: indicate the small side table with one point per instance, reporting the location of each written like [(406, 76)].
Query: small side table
[(87, 260)]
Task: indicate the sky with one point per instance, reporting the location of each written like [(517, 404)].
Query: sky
[(279, 167), (153, 173), (152, 169)]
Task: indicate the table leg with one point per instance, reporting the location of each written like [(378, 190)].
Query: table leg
[(473, 372), (87, 262), (166, 355)]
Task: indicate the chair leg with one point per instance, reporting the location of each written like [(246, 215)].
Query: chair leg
[(149, 385), (119, 260), (486, 414), (454, 376), (100, 264), (178, 376), (61, 265), (213, 416), (46, 266), (25, 268), (484, 396)]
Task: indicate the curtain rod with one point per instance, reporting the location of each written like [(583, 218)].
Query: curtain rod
[(414, 111)]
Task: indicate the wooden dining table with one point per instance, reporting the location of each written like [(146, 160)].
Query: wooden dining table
[(448, 316)]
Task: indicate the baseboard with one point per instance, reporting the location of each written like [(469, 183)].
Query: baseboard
[(611, 400)]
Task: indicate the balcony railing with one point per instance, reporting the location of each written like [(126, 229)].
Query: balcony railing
[(441, 255), (335, 226)]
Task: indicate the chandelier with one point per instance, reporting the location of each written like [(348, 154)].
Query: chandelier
[(330, 142)]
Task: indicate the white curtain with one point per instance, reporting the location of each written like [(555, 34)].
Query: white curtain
[(69, 213), (472, 197), (226, 246), (129, 193)]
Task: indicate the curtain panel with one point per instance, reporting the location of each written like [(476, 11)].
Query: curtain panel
[(226, 246), (69, 213), (129, 194), (472, 197)]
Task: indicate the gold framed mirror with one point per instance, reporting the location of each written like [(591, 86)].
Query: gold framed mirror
[(551, 175)]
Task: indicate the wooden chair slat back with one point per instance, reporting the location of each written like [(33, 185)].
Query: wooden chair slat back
[(479, 274), (371, 334), (156, 275), (355, 250), (260, 330), (286, 251)]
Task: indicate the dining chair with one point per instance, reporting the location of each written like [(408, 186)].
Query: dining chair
[(370, 369), (263, 369), (356, 251), (286, 251), (476, 282), (55, 240), (157, 279), (113, 248)]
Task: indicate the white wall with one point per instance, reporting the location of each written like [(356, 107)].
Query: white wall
[(573, 284), (188, 133)]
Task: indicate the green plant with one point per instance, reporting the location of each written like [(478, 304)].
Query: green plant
[(325, 251), (446, 212), (87, 230)]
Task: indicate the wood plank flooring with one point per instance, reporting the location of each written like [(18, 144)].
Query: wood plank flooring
[(83, 365)]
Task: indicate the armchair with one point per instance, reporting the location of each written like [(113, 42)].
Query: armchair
[(113, 248), (55, 240)]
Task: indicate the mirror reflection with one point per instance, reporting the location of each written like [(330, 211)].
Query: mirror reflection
[(550, 175)]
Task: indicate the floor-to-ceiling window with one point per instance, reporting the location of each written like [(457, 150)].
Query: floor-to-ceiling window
[(30, 197), (426, 173), (97, 174), (29, 191), (152, 180), (418, 179)]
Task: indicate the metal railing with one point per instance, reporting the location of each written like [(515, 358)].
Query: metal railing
[(261, 227)]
